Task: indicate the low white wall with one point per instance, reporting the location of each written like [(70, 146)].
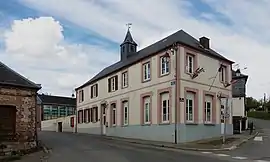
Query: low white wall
[(238, 106), (52, 125)]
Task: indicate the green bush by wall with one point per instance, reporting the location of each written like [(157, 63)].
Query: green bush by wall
[(259, 115)]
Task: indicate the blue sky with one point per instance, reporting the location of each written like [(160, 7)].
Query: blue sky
[(61, 44)]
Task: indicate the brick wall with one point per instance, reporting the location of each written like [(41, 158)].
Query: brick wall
[(25, 102)]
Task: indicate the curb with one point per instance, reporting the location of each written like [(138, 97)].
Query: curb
[(186, 148)]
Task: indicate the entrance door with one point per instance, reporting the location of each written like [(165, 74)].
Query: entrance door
[(60, 127), (104, 121), (7, 122)]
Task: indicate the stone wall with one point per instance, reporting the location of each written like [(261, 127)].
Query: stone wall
[(25, 102)]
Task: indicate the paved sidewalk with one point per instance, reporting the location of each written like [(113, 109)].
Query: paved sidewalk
[(202, 145)]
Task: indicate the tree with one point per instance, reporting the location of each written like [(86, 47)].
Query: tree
[(252, 103)]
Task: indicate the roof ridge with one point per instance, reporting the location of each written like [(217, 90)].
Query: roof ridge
[(21, 76)]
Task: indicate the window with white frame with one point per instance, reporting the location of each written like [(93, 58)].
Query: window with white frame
[(164, 62), (146, 71), (223, 73), (94, 91), (146, 103), (190, 63), (125, 79), (81, 96), (125, 107), (113, 84), (113, 107), (165, 104), (208, 106), (190, 106)]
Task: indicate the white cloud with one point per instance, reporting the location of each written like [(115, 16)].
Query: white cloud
[(37, 49), (245, 39)]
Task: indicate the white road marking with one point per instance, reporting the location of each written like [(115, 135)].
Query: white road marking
[(258, 138), (206, 152), (261, 161), (222, 155), (240, 158)]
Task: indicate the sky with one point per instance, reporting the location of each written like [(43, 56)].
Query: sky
[(62, 44)]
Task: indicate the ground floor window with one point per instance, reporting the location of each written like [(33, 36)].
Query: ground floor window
[(126, 111), (190, 97)]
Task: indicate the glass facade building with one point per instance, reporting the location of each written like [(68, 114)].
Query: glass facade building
[(54, 111), (53, 107)]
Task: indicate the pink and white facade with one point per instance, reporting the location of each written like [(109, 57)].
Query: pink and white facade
[(157, 98)]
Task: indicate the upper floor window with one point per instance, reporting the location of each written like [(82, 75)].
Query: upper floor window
[(190, 63), (113, 84), (146, 71), (124, 79), (94, 91), (164, 61), (81, 96), (223, 75), (132, 48)]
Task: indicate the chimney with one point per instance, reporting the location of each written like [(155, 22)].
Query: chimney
[(205, 42)]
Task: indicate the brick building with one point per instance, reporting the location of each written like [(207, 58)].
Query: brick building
[(17, 110)]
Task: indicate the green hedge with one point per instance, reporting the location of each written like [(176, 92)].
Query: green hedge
[(259, 115)]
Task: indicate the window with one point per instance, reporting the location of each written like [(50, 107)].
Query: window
[(80, 116), (87, 115), (208, 105), (132, 48), (94, 91), (124, 79), (125, 107), (164, 61), (223, 73), (123, 49), (94, 114), (146, 71), (146, 104), (113, 107), (81, 96), (165, 104), (190, 106), (113, 84), (91, 115), (189, 63)]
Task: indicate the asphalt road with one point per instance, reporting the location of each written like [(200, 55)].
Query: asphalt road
[(256, 149), (68, 147)]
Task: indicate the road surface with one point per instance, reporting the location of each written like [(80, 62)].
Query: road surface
[(257, 149), (68, 147)]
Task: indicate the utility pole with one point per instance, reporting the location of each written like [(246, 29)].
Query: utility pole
[(264, 100), (225, 120)]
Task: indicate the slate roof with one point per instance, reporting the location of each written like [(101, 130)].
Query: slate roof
[(238, 77), (11, 78), (57, 100), (129, 39), (178, 37)]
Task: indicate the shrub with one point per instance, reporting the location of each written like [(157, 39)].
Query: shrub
[(259, 115)]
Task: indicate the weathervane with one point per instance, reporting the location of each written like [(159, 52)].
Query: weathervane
[(128, 25)]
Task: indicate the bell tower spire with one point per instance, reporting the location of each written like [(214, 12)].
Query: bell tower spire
[(129, 46)]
